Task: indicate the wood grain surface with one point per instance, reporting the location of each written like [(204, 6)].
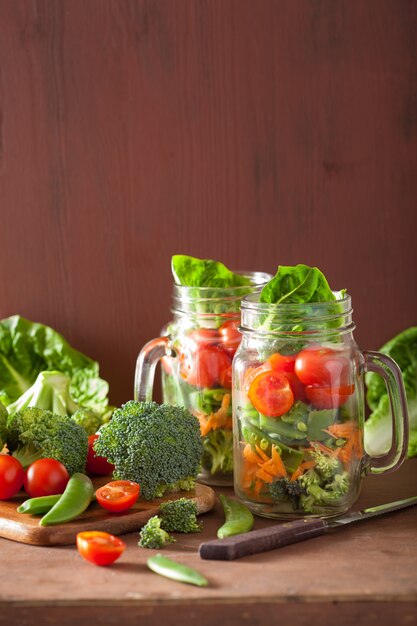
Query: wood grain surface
[(26, 529), (256, 132)]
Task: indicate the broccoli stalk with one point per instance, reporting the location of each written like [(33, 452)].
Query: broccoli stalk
[(157, 446), (35, 434), (179, 516), (153, 536), (322, 493), (218, 451)]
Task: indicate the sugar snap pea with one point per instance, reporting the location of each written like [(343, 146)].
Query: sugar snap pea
[(38, 506), (74, 501), (176, 571), (238, 518)]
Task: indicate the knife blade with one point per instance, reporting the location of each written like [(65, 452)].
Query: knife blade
[(284, 534)]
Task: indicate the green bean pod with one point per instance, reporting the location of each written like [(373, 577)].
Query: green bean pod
[(239, 518), (74, 501), (38, 506), (176, 571)]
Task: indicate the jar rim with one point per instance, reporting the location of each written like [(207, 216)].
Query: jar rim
[(251, 301)]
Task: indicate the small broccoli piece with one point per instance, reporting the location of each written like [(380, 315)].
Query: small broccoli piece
[(157, 446), (326, 466), (179, 516), (218, 451), (35, 434), (321, 493), (153, 536), (88, 420), (286, 489)]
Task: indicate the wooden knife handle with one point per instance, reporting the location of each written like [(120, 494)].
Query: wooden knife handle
[(262, 540)]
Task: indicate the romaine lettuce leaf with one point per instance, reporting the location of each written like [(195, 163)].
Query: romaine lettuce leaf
[(28, 348)]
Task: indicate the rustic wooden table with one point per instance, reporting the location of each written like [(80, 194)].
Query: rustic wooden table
[(363, 574)]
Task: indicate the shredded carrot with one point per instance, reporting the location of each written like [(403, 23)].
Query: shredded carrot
[(302, 468), (217, 420)]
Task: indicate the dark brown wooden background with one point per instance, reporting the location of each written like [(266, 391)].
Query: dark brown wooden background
[(256, 132)]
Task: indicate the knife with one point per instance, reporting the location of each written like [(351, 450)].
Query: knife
[(290, 532)]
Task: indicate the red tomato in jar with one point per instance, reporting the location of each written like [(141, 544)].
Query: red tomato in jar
[(230, 337), (271, 394), (203, 336), (323, 367), (11, 476), (206, 367), (118, 495), (97, 465), (282, 363), (99, 547), (45, 477), (328, 397)]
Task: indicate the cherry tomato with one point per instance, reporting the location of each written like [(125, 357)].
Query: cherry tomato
[(205, 368), (282, 363), (45, 477), (230, 336), (205, 336), (97, 464), (252, 372), (225, 377), (323, 367), (328, 397), (118, 495), (271, 394), (11, 476), (99, 547)]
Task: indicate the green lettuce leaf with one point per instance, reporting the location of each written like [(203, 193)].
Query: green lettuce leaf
[(28, 348), (378, 427), (193, 272)]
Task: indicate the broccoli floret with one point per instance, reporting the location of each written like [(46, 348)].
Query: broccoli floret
[(153, 536), (286, 489), (157, 446), (179, 516), (88, 420), (35, 434), (321, 493), (218, 451), (326, 466)]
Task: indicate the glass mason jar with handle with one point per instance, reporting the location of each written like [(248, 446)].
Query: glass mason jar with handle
[(196, 350), (299, 409)]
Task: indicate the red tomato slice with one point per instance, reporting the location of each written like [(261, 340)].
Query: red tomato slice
[(99, 547), (230, 337), (97, 465), (271, 394), (45, 477), (328, 397), (323, 367), (11, 476), (118, 495)]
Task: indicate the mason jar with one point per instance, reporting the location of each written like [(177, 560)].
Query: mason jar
[(196, 350), (299, 409)]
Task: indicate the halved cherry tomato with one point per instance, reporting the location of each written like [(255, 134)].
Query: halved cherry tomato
[(271, 394), (205, 367), (328, 397), (99, 547), (282, 363), (323, 367), (230, 336), (118, 495), (11, 476), (252, 372), (97, 464), (45, 477)]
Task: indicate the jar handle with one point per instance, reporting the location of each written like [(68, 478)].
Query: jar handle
[(146, 363), (388, 369)]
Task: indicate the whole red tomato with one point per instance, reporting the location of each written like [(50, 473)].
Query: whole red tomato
[(230, 336), (45, 477), (11, 476), (323, 367), (97, 465)]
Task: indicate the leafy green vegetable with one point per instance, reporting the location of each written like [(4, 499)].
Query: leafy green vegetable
[(378, 427), (218, 451), (153, 536), (28, 348), (157, 446), (193, 272), (179, 516), (3, 425), (35, 434), (297, 284)]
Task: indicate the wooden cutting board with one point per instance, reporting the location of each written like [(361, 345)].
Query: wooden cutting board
[(26, 529)]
